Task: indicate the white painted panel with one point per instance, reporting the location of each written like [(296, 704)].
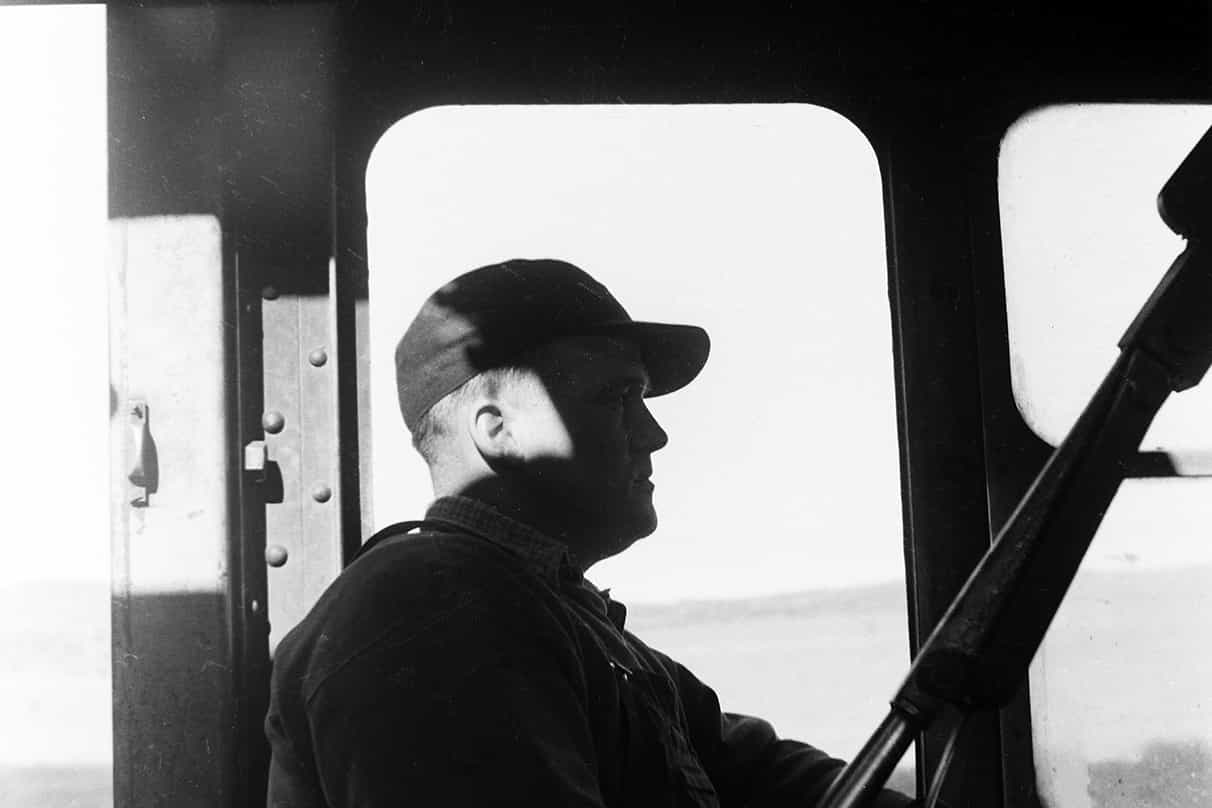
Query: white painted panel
[(167, 313)]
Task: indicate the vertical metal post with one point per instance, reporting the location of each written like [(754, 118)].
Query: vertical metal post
[(938, 399)]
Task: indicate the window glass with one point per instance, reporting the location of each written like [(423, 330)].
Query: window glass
[(55, 698), (1084, 247), (781, 534), (1121, 690)]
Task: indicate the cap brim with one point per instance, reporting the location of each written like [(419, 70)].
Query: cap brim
[(673, 354)]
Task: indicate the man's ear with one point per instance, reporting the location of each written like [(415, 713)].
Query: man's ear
[(491, 431)]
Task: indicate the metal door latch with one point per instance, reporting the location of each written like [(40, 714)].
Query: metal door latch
[(144, 473), (256, 458)]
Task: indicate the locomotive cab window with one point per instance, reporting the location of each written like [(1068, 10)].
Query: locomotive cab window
[(777, 571), (55, 694), (1120, 694)]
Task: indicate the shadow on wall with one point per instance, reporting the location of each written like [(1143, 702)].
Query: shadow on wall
[(1168, 774)]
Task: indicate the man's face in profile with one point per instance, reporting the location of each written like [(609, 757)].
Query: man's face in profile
[(588, 437)]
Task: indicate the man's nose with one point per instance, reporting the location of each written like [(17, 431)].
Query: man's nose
[(647, 434)]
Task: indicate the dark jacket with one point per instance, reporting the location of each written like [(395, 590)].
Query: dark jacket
[(473, 665)]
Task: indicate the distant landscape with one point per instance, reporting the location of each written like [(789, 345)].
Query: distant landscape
[(55, 702), (1126, 717)]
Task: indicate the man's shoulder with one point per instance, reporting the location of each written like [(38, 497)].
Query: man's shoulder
[(410, 576), (405, 591), (424, 562)]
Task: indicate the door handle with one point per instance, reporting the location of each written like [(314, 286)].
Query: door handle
[(144, 473)]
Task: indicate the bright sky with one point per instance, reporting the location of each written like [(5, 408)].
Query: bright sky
[(54, 330), (53, 316), (761, 223)]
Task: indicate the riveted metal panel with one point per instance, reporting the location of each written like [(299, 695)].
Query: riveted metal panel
[(279, 210), (303, 527)]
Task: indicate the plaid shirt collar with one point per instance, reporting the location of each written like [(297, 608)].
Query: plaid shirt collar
[(546, 555)]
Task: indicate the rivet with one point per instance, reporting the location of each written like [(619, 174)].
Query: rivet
[(275, 555), (318, 357), (273, 422), (255, 606), (270, 293), (321, 493)]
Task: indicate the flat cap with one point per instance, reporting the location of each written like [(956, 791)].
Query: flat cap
[(490, 316)]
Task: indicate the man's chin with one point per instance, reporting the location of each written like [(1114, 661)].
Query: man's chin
[(642, 524), (630, 524)]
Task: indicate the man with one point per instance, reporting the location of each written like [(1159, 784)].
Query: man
[(470, 663)]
